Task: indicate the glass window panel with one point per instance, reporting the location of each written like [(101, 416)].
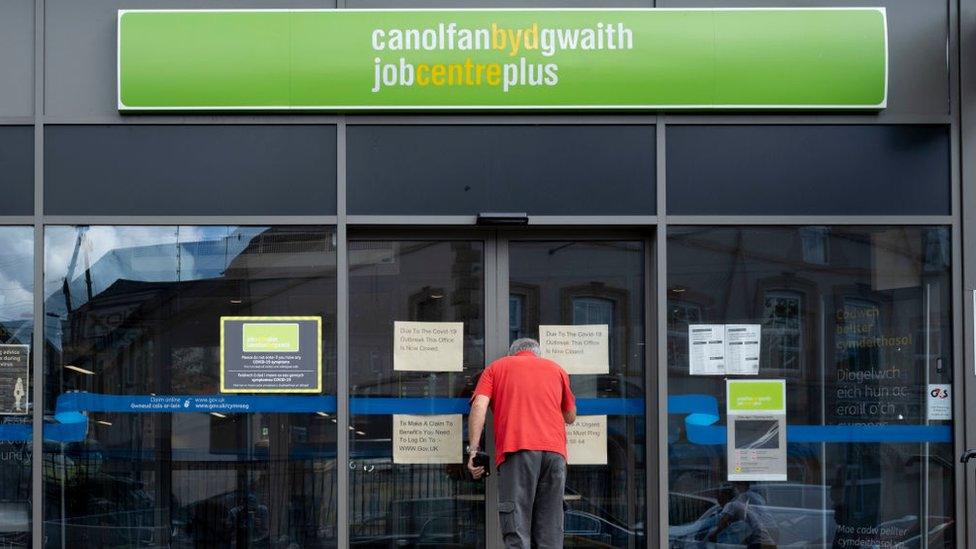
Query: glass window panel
[(595, 282), (132, 323), (16, 383), (857, 321), (411, 504)]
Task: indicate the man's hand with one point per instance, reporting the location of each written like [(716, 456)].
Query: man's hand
[(476, 472)]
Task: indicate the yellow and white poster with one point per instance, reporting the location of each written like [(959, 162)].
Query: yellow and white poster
[(579, 349), (433, 439), (586, 441), (428, 346)]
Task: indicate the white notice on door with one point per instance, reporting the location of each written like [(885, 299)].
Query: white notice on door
[(706, 349), (586, 441), (427, 439), (939, 402), (428, 346), (579, 349), (742, 349)]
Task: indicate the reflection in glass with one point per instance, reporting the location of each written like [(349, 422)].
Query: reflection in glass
[(400, 504), (16, 383), (132, 317), (857, 321), (594, 282)]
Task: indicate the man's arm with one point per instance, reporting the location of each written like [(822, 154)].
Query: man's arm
[(476, 424), (569, 400), (569, 416)]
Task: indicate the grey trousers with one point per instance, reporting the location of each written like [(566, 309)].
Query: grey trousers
[(531, 485)]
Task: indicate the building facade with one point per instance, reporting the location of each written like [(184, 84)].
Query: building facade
[(836, 237)]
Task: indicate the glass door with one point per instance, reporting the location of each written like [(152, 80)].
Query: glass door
[(584, 299), (416, 345), (428, 311)]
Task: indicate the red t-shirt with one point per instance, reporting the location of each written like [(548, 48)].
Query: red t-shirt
[(528, 397)]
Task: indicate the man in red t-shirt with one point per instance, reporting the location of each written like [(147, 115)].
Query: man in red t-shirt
[(531, 403)]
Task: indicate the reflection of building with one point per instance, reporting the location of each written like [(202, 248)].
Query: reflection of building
[(128, 332)]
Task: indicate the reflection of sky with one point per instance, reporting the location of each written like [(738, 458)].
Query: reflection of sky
[(143, 254), (17, 281)]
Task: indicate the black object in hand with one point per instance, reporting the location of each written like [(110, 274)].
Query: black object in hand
[(481, 459)]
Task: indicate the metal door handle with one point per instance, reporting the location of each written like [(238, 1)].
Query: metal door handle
[(967, 455)]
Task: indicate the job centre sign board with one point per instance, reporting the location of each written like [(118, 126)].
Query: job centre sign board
[(505, 59)]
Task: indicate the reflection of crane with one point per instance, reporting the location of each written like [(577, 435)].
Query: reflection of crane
[(66, 286)]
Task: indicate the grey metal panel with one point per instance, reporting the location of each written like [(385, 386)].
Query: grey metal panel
[(918, 75), (342, 342), (17, 169), (190, 170), (540, 170), (965, 380), (80, 66), (16, 58), (808, 170)]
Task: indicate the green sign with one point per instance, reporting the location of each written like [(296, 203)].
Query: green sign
[(513, 59), (262, 337), (756, 395)]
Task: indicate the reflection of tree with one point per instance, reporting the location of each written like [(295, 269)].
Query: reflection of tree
[(144, 320)]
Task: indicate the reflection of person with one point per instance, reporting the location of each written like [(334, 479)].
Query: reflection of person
[(747, 511), (531, 402), (18, 394)]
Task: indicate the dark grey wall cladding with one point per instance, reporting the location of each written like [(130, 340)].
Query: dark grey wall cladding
[(190, 170), (808, 170), (464, 170), (17, 170), (16, 58), (918, 71), (80, 48)]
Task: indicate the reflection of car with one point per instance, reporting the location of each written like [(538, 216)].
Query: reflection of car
[(452, 523), (423, 522), (588, 530), (99, 509), (217, 521), (799, 515), (940, 529)]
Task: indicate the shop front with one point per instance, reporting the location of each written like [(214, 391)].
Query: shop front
[(253, 261)]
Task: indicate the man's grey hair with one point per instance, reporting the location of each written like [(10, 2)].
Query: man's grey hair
[(525, 344)]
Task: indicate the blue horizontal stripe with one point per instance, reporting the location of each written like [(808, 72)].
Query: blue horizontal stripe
[(701, 415)]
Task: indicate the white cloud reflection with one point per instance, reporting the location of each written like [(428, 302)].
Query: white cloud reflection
[(136, 253), (16, 274)]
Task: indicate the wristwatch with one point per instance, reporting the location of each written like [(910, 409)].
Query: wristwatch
[(471, 449)]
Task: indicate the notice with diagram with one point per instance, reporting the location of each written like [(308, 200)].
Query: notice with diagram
[(756, 415), (14, 386)]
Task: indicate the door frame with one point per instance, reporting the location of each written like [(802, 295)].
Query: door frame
[(496, 290)]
